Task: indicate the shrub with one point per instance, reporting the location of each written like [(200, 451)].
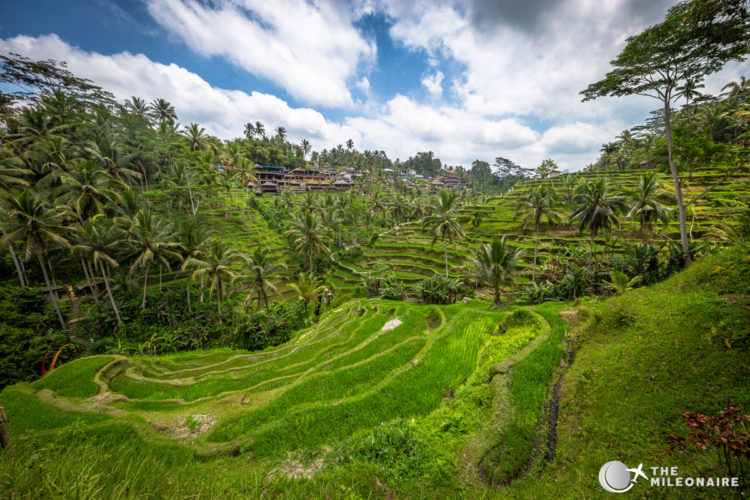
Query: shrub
[(439, 290)]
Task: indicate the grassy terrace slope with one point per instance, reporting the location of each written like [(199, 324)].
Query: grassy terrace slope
[(369, 362), (447, 404), (412, 256)]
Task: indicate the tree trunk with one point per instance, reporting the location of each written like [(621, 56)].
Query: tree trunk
[(677, 185), (445, 250), (109, 292), (145, 284), (203, 286), (91, 273), (23, 271), (188, 295), (159, 277), (52, 294), (15, 262), (88, 278), (218, 299), (497, 292), (536, 245), (591, 248)]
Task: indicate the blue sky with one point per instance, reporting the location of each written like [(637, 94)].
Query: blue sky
[(467, 80)]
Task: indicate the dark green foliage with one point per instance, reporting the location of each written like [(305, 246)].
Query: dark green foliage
[(439, 290)]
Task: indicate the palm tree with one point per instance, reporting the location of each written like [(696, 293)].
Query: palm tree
[(308, 288), (216, 265), (539, 203), (280, 133), (476, 218), (689, 90), (195, 135), (245, 170), (261, 268), (596, 208), (107, 152), (191, 235), (138, 107), (32, 222), (305, 145), (647, 203), (260, 129), (308, 236), (152, 240), (736, 88), (96, 242), (88, 189), (620, 283), (249, 130), (162, 111), (349, 144), (497, 262), (443, 223)]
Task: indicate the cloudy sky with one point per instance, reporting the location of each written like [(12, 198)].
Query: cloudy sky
[(466, 80)]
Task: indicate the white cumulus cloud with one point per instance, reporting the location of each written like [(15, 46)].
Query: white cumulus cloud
[(311, 50)]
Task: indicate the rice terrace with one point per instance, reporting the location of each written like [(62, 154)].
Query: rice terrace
[(220, 278)]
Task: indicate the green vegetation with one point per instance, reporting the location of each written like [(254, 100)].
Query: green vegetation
[(501, 337)]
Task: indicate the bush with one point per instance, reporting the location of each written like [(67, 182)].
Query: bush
[(439, 290)]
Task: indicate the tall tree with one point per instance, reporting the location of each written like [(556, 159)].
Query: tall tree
[(696, 38), (443, 223), (647, 201), (30, 221), (496, 262), (308, 236), (538, 204), (261, 267), (97, 243), (217, 265), (162, 111), (152, 239), (305, 145), (596, 206)]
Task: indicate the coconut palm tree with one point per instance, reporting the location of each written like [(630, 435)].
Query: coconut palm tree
[(217, 265), (305, 146), (245, 170), (308, 236), (96, 242), (596, 206), (443, 223), (308, 288), (195, 135), (281, 133), (30, 221), (689, 90), (152, 239), (192, 235), (261, 268), (260, 129), (539, 203), (162, 111), (497, 262), (138, 107), (647, 203), (88, 189), (249, 131), (107, 152)]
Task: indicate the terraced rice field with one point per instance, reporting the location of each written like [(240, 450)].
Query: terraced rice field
[(368, 362), (414, 256)]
